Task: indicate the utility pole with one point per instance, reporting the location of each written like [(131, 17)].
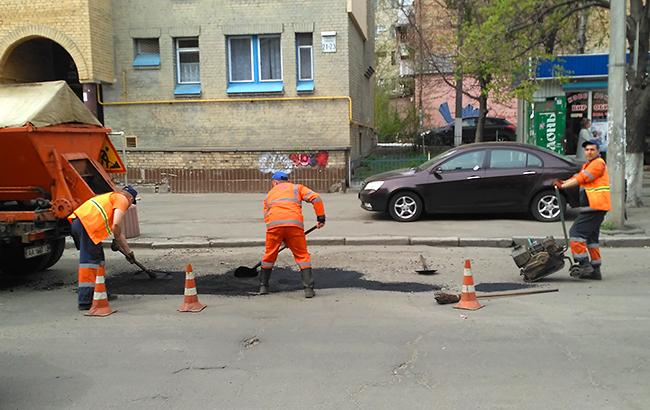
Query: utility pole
[(616, 113), (458, 120)]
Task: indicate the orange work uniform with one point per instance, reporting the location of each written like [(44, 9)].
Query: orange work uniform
[(285, 222), (595, 201), (92, 222)]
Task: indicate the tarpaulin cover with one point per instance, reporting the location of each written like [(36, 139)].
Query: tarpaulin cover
[(41, 104)]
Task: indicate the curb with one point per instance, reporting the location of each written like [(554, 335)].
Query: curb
[(617, 241)]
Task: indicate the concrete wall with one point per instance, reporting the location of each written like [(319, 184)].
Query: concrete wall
[(67, 22)]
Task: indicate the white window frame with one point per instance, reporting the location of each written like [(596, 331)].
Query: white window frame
[(178, 59), (259, 59), (311, 55), (250, 42)]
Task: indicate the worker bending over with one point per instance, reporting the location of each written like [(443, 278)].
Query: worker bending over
[(595, 201), (284, 223), (95, 220)]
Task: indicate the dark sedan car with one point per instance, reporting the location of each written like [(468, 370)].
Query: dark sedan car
[(496, 129), (491, 177)]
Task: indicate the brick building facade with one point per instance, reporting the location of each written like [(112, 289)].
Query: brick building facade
[(201, 87)]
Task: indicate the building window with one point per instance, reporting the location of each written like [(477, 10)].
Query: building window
[(147, 53), (188, 72), (254, 64), (305, 62)]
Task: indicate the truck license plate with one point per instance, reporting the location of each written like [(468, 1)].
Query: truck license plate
[(34, 251)]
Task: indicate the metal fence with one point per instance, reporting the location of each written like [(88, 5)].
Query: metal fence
[(392, 157)]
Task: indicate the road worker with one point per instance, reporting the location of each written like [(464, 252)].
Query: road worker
[(595, 201), (92, 222), (284, 223)]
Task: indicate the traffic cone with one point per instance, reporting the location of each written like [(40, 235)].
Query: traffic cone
[(191, 299), (100, 305), (468, 299)]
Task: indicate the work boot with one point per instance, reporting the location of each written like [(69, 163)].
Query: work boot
[(265, 276), (595, 275), (581, 270), (308, 282)]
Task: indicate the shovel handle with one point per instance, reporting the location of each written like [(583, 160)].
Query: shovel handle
[(307, 232)]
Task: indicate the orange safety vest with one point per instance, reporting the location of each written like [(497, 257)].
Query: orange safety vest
[(283, 205), (96, 215), (594, 185)]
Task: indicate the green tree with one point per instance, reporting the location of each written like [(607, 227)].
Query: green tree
[(391, 124)]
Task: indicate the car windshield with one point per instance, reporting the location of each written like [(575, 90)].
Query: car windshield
[(436, 159)]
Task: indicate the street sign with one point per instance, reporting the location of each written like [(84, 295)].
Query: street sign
[(109, 158)]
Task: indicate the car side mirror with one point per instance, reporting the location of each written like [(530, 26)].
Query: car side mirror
[(437, 171)]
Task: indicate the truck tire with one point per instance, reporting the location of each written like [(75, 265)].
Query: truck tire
[(13, 261), (58, 245)]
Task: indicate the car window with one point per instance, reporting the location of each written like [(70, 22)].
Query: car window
[(465, 161), (469, 122), (507, 158), (491, 121), (534, 161)]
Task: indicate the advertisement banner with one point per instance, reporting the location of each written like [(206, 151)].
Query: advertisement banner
[(550, 123)]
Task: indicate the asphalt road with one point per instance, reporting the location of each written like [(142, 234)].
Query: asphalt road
[(373, 338)]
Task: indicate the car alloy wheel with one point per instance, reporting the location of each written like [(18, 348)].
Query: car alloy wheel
[(546, 207), (405, 207)]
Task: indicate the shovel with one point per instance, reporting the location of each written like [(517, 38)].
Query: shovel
[(246, 272), (152, 275), (425, 269)]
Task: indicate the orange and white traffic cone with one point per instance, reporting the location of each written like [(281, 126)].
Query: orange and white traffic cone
[(100, 305), (468, 299), (191, 299)]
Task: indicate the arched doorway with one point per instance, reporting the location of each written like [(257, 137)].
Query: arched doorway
[(40, 59)]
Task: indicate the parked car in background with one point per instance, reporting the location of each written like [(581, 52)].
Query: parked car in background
[(490, 177), (496, 129)]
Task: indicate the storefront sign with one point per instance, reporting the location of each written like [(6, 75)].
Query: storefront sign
[(549, 123)]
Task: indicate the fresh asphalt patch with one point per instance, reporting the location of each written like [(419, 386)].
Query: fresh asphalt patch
[(282, 280)]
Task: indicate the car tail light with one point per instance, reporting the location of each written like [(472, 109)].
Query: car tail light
[(511, 127)]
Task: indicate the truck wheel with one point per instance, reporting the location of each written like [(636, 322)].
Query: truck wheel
[(58, 245), (13, 261)]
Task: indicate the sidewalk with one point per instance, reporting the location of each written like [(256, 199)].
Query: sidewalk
[(234, 220)]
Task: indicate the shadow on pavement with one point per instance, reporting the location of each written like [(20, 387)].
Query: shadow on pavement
[(282, 280)]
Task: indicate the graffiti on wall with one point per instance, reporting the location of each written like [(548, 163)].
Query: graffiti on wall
[(269, 162)]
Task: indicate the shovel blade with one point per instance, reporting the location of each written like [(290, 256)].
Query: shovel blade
[(245, 272)]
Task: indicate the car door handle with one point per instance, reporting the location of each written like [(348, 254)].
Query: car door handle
[(474, 177), (530, 173)]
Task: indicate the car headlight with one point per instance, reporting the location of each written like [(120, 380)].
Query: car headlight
[(373, 186)]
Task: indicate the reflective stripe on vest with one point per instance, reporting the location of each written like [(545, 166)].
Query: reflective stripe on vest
[(103, 214)]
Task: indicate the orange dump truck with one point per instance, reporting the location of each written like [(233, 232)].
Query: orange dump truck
[(54, 155)]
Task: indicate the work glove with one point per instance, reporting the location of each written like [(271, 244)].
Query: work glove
[(130, 257), (114, 246), (558, 184), (321, 221)]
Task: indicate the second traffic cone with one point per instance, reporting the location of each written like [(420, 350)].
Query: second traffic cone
[(100, 305), (468, 299), (191, 299)]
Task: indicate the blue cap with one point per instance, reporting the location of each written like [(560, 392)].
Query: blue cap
[(280, 176), (591, 142), (132, 191)]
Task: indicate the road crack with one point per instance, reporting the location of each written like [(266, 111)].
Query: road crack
[(199, 368)]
